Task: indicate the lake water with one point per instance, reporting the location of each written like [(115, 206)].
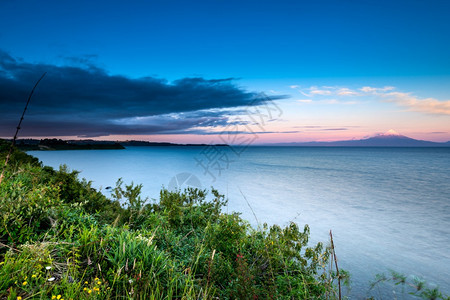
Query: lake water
[(388, 208)]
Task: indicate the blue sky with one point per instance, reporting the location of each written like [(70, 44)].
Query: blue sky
[(269, 46)]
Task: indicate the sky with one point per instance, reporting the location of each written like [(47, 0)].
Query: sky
[(219, 71)]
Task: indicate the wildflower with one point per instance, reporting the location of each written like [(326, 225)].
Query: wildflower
[(86, 282), (99, 282), (19, 298), (96, 278), (90, 291), (48, 267), (96, 289), (24, 283), (58, 297), (53, 297), (51, 279), (85, 289), (33, 276)]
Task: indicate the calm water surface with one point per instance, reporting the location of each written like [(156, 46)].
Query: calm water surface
[(389, 208)]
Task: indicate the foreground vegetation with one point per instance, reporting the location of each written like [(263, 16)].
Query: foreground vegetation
[(61, 239)]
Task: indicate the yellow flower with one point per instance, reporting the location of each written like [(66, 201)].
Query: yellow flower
[(86, 282), (58, 297), (96, 278), (96, 289), (53, 297), (90, 291), (85, 289), (99, 282), (24, 283), (19, 298), (33, 276)]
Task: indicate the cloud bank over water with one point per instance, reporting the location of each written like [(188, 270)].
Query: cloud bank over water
[(85, 100)]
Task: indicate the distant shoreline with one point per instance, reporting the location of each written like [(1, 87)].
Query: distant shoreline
[(59, 144)]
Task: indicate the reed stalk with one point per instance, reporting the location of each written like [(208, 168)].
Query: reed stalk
[(336, 263), (18, 128)]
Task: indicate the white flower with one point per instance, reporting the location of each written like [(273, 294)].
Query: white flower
[(48, 268), (130, 281), (51, 279)]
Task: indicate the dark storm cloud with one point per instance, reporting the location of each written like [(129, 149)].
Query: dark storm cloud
[(87, 101)]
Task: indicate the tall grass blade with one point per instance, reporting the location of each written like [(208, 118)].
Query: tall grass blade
[(18, 128)]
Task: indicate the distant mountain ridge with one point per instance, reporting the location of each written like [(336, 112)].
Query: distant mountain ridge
[(388, 139)]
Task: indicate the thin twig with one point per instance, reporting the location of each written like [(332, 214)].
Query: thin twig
[(18, 128), (245, 198), (4, 245), (336, 263)]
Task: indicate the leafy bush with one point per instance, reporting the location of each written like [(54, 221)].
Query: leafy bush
[(27, 206), (17, 157)]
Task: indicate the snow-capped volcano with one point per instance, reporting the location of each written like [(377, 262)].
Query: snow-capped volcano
[(391, 132), (389, 139), (390, 135)]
